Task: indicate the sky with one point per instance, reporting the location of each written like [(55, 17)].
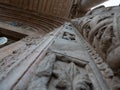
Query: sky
[(110, 3)]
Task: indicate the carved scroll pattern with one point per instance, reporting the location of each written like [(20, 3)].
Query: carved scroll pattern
[(56, 74)]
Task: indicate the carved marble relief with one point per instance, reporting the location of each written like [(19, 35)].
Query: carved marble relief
[(59, 73), (101, 29)]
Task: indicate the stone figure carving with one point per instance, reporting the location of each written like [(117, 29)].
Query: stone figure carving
[(99, 31), (113, 57), (57, 74), (70, 77), (102, 30)]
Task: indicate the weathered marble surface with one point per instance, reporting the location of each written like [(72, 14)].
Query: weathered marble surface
[(67, 66), (55, 73), (100, 27)]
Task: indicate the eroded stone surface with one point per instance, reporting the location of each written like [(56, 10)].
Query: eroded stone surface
[(55, 74), (100, 27)]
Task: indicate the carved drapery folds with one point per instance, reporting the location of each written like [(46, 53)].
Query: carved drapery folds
[(60, 73)]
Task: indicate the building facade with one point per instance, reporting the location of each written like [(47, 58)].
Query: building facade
[(59, 45)]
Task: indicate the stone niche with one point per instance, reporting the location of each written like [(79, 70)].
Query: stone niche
[(59, 72), (11, 36)]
